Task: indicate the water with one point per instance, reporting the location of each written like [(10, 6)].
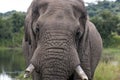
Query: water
[(11, 64)]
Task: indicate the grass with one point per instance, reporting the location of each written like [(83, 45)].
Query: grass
[(109, 66), (107, 71), (20, 77)]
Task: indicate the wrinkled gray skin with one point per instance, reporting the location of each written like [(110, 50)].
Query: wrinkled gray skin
[(58, 38)]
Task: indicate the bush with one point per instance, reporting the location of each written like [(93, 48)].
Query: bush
[(106, 23)]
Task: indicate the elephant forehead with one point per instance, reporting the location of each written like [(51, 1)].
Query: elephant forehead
[(64, 4)]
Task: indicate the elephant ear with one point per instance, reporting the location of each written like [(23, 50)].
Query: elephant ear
[(29, 43), (89, 49), (84, 51), (83, 45)]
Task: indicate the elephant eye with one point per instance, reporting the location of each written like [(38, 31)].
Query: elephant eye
[(79, 33), (77, 37), (37, 29)]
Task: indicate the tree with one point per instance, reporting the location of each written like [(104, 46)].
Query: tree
[(117, 0), (17, 21), (118, 29), (101, 5), (11, 28), (106, 23), (5, 29)]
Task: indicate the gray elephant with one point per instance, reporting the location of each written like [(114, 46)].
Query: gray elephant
[(60, 42)]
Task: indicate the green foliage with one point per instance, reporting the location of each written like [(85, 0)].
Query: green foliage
[(106, 23), (94, 9), (115, 43), (117, 0), (118, 29), (7, 14), (5, 29), (11, 28), (15, 41), (17, 21), (106, 16)]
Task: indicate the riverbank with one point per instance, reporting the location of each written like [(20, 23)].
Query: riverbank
[(12, 63), (9, 48)]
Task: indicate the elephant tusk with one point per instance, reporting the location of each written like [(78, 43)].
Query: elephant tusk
[(29, 70), (81, 73)]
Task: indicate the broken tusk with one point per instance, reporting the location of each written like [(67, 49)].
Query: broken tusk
[(29, 70), (27, 74), (81, 73)]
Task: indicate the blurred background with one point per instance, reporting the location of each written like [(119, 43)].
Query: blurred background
[(104, 14)]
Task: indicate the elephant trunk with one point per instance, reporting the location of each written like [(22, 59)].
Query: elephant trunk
[(56, 58), (54, 64)]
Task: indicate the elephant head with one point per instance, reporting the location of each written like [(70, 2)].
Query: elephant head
[(55, 33)]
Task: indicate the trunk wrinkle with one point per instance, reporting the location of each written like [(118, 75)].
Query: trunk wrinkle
[(56, 59)]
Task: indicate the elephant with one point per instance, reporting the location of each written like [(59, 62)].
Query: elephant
[(60, 42)]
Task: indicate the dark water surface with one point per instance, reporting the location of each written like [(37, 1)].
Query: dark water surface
[(11, 64)]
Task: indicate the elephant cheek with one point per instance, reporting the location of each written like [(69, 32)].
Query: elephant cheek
[(77, 67), (74, 60)]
